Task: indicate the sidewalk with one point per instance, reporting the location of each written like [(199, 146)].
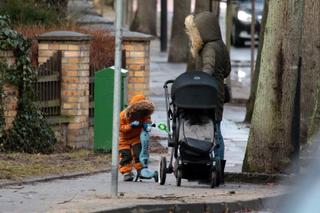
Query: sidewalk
[(92, 193), (235, 134)]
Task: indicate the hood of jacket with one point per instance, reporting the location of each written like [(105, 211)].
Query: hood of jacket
[(201, 29), (139, 108)]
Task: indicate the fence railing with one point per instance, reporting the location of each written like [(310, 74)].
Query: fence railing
[(48, 86)]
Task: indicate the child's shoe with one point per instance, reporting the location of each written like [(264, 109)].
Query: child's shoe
[(128, 176)]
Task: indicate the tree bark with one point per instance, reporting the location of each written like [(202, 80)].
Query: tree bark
[(215, 7), (269, 146), (145, 20), (255, 76), (310, 70), (178, 51)]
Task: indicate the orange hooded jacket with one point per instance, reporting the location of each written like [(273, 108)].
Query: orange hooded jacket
[(131, 135)]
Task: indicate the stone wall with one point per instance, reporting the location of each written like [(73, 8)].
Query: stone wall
[(10, 94), (75, 80), (75, 49), (137, 48)]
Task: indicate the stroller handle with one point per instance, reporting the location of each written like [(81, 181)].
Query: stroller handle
[(168, 82)]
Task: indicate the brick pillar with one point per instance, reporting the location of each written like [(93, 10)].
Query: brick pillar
[(137, 47), (10, 94), (75, 80)]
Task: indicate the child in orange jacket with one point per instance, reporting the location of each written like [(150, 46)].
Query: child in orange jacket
[(132, 120)]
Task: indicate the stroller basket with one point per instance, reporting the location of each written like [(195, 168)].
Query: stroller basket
[(195, 90)]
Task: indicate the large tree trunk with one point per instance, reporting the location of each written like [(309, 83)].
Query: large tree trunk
[(145, 20), (255, 76), (314, 124), (310, 68), (269, 147), (178, 51)]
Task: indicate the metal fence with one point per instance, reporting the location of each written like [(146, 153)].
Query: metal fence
[(48, 86)]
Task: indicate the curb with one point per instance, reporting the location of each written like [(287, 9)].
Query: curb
[(238, 101), (240, 63), (255, 204), (51, 178), (256, 178)]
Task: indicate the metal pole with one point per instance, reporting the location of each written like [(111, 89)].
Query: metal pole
[(163, 33), (116, 100), (253, 32)]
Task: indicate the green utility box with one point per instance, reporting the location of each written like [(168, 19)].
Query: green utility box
[(103, 106)]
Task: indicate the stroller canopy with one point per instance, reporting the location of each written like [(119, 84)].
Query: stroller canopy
[(195, 90)]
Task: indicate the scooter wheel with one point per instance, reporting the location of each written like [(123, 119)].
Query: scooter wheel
[(156, 177), (163, 170)]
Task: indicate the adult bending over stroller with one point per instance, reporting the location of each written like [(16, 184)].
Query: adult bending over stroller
[(211, 56)]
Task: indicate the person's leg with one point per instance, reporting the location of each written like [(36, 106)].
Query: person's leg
[(125, 164), (136, 149), (219, 149)]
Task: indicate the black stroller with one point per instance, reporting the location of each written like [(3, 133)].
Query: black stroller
[(192, 103)]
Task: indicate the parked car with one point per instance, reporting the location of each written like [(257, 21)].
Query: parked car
[(242, 17)]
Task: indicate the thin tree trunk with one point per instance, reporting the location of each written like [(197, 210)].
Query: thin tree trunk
[(130, 13), (178, 51), (310, 69), (255, 76), (215, 7), (202, 5), (269, 147), (145, 19)]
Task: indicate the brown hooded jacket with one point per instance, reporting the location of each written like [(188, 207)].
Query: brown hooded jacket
[(209, 51)]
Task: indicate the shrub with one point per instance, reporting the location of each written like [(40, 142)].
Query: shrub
[(30, 132), (29, 12), (101, 45), (101, 49)]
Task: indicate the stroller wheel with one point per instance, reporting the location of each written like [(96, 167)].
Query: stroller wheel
[(163, 170), (179, 177), (213, 178), (156, 177)]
